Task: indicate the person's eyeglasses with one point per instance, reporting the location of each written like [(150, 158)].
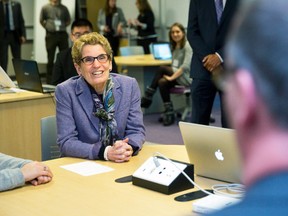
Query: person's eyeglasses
[(78, 35), (89, 60)]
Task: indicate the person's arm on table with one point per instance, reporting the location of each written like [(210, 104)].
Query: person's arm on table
[(15, 172)]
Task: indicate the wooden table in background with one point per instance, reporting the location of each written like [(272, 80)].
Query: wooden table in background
[(20, 115)]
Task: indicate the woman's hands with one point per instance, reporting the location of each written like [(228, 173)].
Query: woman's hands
[(120, 152), (36, 173)]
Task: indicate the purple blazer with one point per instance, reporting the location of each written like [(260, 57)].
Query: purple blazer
[(77, 127)]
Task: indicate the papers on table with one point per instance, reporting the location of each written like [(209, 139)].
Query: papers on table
[(87, 168), (10, 90)]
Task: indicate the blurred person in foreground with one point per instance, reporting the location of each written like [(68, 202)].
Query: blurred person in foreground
[(98, 113), (256, 97), (15, 172)]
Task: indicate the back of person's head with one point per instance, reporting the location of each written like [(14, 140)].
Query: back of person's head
[(92, 38), (80, 23), (259, 44), (182, 29), (144, 6)]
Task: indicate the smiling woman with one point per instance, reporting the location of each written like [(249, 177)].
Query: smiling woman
[(96, 73), (98, 113), (168, 77)]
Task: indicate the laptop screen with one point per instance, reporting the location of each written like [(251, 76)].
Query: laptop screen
[(213, 151), (27, 74), (161, 51)]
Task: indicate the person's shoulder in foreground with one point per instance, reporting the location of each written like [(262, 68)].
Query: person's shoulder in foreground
[(15, 172), (255, 86)]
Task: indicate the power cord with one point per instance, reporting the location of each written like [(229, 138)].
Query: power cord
[(228, 190), (234, 190)]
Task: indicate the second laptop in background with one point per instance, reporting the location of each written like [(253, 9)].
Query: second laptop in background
[(28, 76), (161, 50)]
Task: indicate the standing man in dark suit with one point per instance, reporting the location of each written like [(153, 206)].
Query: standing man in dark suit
[(207, 30), (12, 30), (64, 67)]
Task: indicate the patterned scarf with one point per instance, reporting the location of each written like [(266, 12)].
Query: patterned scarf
[(105, 112)]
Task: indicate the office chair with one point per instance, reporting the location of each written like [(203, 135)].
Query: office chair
[(129, 51), (50, 149), (183, 90)]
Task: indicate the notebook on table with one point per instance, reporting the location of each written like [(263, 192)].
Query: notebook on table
[(161, 50), (28, 76), (6, 84), (213, 151)]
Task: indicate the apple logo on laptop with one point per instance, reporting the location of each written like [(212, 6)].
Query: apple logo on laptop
[(219, 155)]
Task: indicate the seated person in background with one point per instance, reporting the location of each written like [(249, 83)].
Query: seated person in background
[(63, 67), (14, 172), (169, 76), (98, 113)]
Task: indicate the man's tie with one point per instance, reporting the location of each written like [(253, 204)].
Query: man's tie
[(219, 9), (7, 17)]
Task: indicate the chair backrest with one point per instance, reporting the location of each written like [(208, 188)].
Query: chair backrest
[(50, 149), (131, 50)]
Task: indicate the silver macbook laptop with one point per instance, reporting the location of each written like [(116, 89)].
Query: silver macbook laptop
[(213, 151), (28, 77), (161, 51)]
